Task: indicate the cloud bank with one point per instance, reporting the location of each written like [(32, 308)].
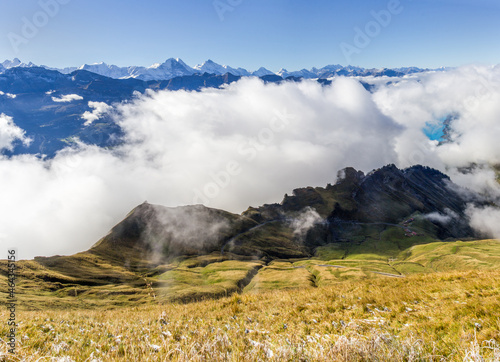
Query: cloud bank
[(247, 144)]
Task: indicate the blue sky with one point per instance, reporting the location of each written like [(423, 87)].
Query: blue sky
[(293, 34)]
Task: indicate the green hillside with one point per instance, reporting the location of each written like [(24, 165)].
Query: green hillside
[(85, 281)]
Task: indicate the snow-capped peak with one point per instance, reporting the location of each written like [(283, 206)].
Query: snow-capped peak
[(14, 63), (101, 65), (11, 63), (175, 67), (177, 63), (106, 70), (262, 72), (210, 66)]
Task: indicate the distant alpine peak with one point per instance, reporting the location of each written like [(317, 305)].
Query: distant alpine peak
[(100, 64), (175, 67), (15, 63), (174, 61), (262, 72)]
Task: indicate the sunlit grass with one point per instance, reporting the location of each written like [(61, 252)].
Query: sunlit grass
[(440, 316), (436, 301)]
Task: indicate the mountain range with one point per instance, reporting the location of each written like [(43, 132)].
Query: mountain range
[(172, 68)]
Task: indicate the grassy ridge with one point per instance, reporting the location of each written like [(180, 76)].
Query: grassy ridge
[(443, 256)]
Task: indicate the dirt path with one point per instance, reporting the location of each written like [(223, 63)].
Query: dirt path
[(390, 275)]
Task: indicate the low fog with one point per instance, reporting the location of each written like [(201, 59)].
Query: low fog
[(248, 144), (306, 220)]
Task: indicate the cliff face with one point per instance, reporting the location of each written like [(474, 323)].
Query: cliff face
[(389, 194), (385, 196)]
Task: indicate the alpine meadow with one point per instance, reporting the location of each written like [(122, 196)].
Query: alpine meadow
[(332, 195)]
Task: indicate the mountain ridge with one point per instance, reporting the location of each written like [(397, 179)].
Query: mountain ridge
[(309, 218), (172, 68)]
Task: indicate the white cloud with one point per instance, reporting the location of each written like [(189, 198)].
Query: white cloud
[(442, 218), (99, 109), (67, 98), (8, 95), (485, 220), (471, 93), (195, 135), (307, 219), (9, 133), (277, 137)]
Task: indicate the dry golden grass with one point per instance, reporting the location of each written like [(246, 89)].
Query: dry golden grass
[(447, 308), (452, 316)]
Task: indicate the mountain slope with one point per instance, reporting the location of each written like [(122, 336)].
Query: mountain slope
[(392, 200), (387, 196), (155, 233)]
